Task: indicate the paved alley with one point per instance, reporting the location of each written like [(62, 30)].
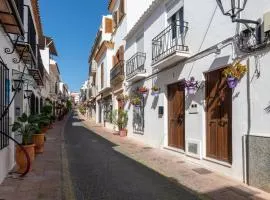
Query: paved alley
[(99, 172)]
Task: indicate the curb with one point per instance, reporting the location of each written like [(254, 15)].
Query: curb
[(67, 187)]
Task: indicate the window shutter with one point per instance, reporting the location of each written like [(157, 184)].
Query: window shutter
[(102, 75), (121, 9), (108, 25), (121, 53)]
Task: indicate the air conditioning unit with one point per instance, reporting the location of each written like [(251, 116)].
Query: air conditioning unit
[(266, 20), (194, 148)]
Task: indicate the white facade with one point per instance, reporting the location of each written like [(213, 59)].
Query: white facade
[(208, 30)]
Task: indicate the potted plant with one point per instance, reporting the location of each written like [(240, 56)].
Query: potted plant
[(120, 119), (234, 73), (191, 85), (39, 121), (143, 90), (136, 101), (26, 130), (155, 90), (122, 97)]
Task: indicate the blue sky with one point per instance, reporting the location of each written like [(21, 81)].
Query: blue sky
[(73, 25)]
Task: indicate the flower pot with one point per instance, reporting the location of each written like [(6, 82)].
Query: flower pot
[(21, 159), (123, 133), (232, 82), (191, 90), (38, 140), (155, 93)]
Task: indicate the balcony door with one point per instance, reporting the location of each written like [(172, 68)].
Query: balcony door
[(219, 115), (176, 115), (176, 22)]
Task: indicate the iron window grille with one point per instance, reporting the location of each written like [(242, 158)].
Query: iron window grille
[(138, 118), (4, 101), (170, 40), (135, 64)]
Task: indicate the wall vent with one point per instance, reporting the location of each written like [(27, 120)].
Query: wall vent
[(194, 148)]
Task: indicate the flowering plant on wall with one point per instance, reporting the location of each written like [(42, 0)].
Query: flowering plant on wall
[(143, 90), (155, 90), (136, 101), (122, 97), (234, 73), (191, 85)]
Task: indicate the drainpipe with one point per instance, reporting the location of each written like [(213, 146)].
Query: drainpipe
[(249, 121)]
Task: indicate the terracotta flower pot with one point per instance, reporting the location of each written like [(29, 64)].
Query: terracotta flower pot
[(123, 133), (21, 159), (38, 140)]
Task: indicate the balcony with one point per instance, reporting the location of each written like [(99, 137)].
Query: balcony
[(27, 47), (11, 16), (117, 73), (169, 46), (38, 73), (135, 67)]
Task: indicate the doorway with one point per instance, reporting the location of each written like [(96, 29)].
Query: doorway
[(218, 117), (176, 116)]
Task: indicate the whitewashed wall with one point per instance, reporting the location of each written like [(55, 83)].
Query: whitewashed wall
[(207, 27)]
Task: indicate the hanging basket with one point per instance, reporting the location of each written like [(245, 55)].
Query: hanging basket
[(232, 82)]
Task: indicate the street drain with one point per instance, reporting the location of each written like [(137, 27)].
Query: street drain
[(147, 148), (202, 171)]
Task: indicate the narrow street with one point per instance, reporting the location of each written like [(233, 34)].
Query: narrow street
[(99, 172)]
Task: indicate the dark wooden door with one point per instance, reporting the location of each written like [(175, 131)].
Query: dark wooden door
[(176, 115), (219, 115)]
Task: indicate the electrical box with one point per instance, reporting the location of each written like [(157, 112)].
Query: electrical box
[(266, 20), (160, 111), (193, 109)]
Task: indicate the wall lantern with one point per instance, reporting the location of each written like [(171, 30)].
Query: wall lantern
[(27, 94), (17, 85), (232, 8)]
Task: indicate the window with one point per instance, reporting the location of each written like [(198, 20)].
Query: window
[(138, 118), (4, 100), (119, 14), (102, 75), (177, 23)]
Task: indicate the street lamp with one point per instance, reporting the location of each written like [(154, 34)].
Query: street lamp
[(17, 85), (28, 94), (232, 8)]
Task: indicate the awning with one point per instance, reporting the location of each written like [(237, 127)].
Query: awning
[(26, 53), (10, 17)]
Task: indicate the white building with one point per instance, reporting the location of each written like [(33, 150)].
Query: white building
[(223, 129), (20, 60)]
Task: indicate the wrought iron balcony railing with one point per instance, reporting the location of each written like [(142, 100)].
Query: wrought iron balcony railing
[(170, 40), (135, 64), (117, 73)]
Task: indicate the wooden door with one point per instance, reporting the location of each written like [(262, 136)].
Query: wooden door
[(176, 115), (219, 115)]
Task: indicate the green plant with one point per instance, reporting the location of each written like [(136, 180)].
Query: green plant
[(155, 88), (136, 100), (120, 118), (82, 110), (25, 128), (69, 105)]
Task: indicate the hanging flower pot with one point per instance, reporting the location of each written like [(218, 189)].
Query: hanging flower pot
[(155, 91), (234, 73), (143, 90), (191, 85), (136, 102), (191, 89), (232, 82)]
